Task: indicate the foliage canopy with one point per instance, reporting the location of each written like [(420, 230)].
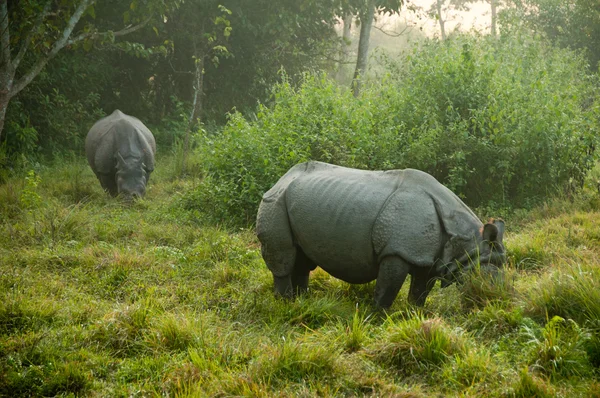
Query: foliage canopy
[(499, 122)]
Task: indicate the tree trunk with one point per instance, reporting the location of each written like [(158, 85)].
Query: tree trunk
[(9, 87), (347, 25), (493, 4), (441, 19), (4, 99), (6, 70), (345, 46), (6, 80), (196, 104), (366, 23), (198, 90)]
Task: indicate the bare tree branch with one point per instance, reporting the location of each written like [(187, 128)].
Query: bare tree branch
[(393, 34), (63, 41), (341, 61), (29, 37), (122, 32), (58, 45), (179, 71)]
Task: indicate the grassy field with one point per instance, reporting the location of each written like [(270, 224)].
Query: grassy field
[(102, 299)]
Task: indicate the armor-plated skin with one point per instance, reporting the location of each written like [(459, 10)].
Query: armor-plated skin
[(364, 225), (120, 150)]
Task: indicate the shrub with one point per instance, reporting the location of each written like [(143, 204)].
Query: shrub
[(294, 362), (573, 293), (475, 368), (560, 352), (495, 320), (417, 343), (530, 386), (499, 122), (592, 346)]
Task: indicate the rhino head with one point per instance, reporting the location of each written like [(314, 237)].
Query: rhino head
[(486, 251), (131, 177)]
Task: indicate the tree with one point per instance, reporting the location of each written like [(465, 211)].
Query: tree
[(203, 26), (566, 23), (440, 9), (494, 8), (366, 11), (346, 42), (33, 32), (366, 17), (295, 36)]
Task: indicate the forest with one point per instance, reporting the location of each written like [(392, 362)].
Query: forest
[(168, 295)]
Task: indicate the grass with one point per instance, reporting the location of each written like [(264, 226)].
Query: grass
[(98, 298)]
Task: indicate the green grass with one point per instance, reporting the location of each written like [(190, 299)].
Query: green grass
[(99, 298)]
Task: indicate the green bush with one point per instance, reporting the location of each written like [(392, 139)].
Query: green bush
[(499, 122)]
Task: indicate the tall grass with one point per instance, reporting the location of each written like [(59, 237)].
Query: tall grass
[(101, 298)]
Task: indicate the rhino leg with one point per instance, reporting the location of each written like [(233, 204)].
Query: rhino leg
[(280, 260), (421, 284), (108, 183), (283, 285), (392, 273), (302, 268)]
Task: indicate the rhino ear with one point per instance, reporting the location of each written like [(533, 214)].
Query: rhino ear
[(490, 232), (499, 223)]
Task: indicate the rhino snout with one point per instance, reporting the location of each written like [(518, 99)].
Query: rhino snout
[(131, 188)]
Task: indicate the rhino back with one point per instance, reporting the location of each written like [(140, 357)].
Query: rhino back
[(121, 133), (332, 211)]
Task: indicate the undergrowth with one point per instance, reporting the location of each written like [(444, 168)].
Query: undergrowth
[(106, 299)]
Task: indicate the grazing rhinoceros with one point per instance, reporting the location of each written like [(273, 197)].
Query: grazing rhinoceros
[(364, 225), (120, 151)]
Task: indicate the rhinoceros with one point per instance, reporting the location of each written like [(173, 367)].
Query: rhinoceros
[(120, 150), (361, 226)]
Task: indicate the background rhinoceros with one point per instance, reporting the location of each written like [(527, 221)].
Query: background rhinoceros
[(364, 225), (120, 150)]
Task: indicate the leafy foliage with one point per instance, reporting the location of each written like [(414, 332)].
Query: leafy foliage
[(560, 350), (51, 116), (499, 122), (573, 23)]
